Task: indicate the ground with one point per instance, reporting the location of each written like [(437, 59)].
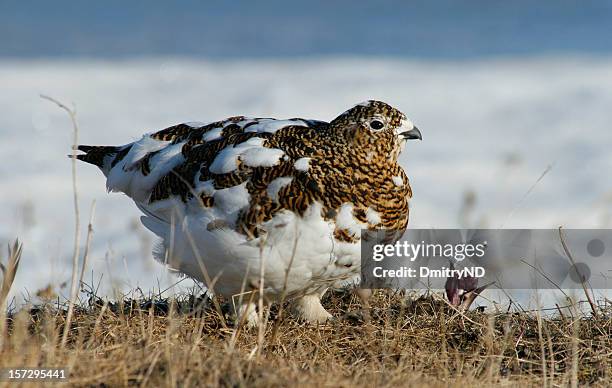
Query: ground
[(409, 341)]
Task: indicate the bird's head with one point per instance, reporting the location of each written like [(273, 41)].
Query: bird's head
[(375, 125)]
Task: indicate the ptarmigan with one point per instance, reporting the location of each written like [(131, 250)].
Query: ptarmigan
[(293, 195)]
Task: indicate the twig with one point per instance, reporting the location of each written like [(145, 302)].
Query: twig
[(261, 328), (9, 271), (524, 197), (77, 226), (88, 241), (538, 270), (582, 281), (574, 352), (541, 342)]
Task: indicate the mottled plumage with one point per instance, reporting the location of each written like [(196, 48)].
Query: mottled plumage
[(295, 192)]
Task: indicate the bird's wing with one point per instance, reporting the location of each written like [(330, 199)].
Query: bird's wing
[(243, 171), (223, 166)]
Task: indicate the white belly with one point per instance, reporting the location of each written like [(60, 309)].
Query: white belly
[(299, 254)]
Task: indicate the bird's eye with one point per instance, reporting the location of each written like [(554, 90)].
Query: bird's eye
[(376, 124)]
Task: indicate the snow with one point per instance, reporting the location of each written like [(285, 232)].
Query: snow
[(491, 128)]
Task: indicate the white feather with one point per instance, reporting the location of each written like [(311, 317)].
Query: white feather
[(301, 248), (226, 161), (196, 124), (206, 187), (141, 148), (276, 185), (372, 216), (132, 182), (229, 201), (346, 220), (271, 126), (302, 164), (213, 134), (261, 156)]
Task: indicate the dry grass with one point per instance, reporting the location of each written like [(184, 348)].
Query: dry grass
[(182, 342)]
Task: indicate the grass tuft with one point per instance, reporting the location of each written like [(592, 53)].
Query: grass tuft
[(408, 341)]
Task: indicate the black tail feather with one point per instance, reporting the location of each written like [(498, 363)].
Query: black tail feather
[(95, 154), (87, 148)]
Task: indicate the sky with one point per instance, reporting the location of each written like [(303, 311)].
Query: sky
[(442, 29)]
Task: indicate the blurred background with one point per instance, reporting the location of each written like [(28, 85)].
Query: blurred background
[(513, 99)]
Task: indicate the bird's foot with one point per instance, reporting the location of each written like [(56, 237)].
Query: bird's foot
[(364, 295), (246, 315), (310, 309)]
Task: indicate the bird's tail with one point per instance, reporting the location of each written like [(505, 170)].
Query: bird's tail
[(100, 156)]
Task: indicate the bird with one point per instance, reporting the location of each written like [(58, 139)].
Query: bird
[(267, 207)]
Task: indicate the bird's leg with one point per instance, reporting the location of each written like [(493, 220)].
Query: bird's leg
[(309, 308), (246, 314), (364, 295)]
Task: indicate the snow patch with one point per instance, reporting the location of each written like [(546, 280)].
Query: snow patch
[(501, 98)]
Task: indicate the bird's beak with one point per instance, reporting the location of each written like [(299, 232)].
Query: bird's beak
[(414, 133)]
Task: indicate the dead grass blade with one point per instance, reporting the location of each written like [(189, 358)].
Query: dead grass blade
[(8, 277), (594, 308)]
